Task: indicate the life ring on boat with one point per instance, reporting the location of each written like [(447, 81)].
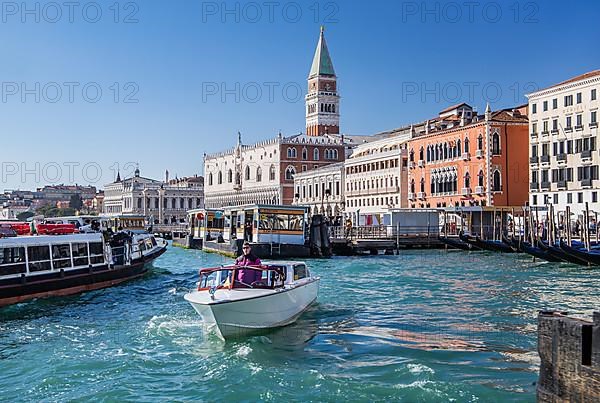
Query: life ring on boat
[(200, 216)]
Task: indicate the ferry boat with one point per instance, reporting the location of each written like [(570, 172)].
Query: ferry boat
[(56, 265), (234, 309)]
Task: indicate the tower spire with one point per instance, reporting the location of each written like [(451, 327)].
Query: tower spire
[(322, 99)]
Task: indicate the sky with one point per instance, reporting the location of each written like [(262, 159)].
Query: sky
[(92, 88)]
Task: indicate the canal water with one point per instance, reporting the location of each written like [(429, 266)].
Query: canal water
[(423, 326)]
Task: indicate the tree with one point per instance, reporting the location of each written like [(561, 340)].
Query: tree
[(76, 202)]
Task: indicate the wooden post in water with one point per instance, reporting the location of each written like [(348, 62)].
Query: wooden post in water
[(587, 225), (569, 233), (596, 224), (481, 224)]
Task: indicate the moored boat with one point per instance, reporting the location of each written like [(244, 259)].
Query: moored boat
[(233, 309), (45, 266), (457, 243), (494, 246), (591, 257)]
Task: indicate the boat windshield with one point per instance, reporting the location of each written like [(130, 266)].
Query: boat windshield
[(268, 277)]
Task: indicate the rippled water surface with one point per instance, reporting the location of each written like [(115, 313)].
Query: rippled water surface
[(423, 326)]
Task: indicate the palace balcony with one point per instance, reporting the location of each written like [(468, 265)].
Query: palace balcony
[(534, 134), (411, 196), (421, 195), (534, 186), (545, 159), (586, 182), (479, 190), (533, 160), (562, 185), (479, 153), (578, 127), (586, 154), (465, 191), (546, 185), (554, 131), (466, 156), (562, 157), (411, 164), (593, 125), (545, 132), (421, 163)]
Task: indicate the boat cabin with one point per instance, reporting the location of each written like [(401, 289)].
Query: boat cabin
[(273, 275), (206, 224), (44, 254), (265, 224)]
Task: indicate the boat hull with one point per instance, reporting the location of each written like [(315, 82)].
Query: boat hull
[(493, 246), (244, 316), (591, 258), (71, 282), (458, 243)]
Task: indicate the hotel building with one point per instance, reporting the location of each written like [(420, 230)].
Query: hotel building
[(563, 152), (461, 158), (321, 190)]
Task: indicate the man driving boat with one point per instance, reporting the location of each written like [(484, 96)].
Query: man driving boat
[(248, 276)]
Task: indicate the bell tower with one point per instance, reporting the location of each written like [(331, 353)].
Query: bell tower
[(322, 99)]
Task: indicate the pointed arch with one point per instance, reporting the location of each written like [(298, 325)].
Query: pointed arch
[(316, 154), (480, 178), (290, 171), (272, 172), (229, 176), (258, 174), (497, 181), (210, 179), (495, 143), (247, 173)]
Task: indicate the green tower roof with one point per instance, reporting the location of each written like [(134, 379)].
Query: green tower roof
[(322, 65)]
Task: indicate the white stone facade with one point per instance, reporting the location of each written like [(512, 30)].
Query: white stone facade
[(164, 202), (375, 179), (563, 152), (321, 190)]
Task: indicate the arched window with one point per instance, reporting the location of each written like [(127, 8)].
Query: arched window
[(411, 155), (316, 154), (467, 180), (480, 178), (497, 183), (247, 175), (291, 152), (480, 142), (423, 185), (458, 147), (467, 145), (289, 173), (412, 186), (210, 179), (335, 154), (238, 178), (495, 144), (220, 178), (272, 173), (258, 174), (229, 176), (428, 153), (304, 153), (421, 153)]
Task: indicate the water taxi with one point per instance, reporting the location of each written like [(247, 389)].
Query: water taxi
[(56, 265), (234, 309)]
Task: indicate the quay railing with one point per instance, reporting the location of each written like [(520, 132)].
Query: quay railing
[(380, 232)]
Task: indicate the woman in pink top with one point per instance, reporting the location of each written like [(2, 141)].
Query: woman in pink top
[(248, 276)]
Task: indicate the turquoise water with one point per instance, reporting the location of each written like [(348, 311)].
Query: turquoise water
[(423, 326)]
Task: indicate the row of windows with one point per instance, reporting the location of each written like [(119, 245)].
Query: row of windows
[(329, 108), (449, 183), (451, 150), (373, 166), (567, 101), (330, 154), (307, 190), (237, 178), (374, 183), (555, 197), (565, 147), (564, 174), (13, 260), (568, 123), (154, 202), (373, 201)]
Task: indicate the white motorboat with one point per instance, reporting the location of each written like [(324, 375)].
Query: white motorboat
[(234, 309)]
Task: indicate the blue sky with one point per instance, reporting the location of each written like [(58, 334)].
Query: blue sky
[(181, 78)]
